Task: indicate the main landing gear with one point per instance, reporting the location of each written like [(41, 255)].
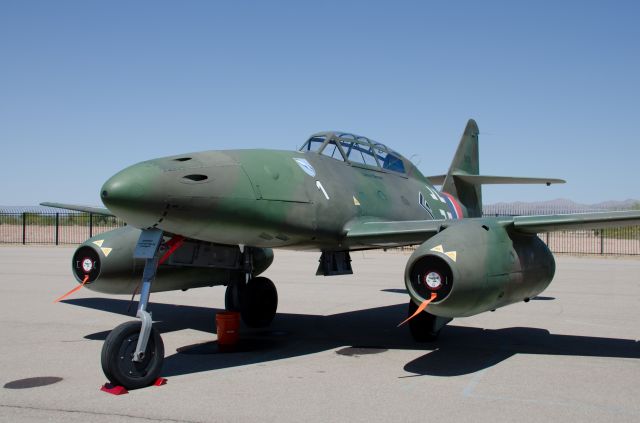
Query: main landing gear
[(256, 298), (425, 327)]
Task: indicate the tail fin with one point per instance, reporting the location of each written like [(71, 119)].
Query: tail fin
[(464, 181), (466, 162)]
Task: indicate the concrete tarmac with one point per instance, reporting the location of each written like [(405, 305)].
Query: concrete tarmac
[(333, 353)]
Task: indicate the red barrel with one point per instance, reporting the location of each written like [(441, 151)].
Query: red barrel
[(228, 329)]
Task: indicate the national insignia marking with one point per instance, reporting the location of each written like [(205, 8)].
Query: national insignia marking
[(106, 251), (305, 166)]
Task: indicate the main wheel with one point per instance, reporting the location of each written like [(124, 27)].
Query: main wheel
[(259, 302), (117, 355), (233, 296), (422, 327)]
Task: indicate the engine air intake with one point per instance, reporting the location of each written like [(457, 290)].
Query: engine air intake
[(431, 274), (86, 262)]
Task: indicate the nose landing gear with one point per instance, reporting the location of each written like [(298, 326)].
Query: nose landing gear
[(133, 352)]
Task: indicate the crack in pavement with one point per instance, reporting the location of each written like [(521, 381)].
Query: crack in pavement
[(95, 413)]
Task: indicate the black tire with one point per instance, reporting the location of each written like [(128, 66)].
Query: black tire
[(118, 350), (259, 303), (233, 300), (422, 326)]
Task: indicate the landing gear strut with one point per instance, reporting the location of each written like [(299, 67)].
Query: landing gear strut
[(133, 352)]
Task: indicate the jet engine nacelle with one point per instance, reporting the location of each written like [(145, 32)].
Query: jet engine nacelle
[(476, 266), (107, 260)]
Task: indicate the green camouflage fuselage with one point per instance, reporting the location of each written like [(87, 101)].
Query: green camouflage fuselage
[(265, 198)]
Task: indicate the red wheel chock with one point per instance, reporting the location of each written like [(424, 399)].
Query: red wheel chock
[(112, 389)]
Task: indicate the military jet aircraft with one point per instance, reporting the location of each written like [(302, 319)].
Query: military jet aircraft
[(214, 218)]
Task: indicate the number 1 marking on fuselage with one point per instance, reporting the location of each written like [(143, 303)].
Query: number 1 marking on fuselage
[(321, 188)]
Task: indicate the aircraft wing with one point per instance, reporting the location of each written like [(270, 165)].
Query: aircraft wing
[(393, 234), (398, 233), (87, 209), (562, 222)]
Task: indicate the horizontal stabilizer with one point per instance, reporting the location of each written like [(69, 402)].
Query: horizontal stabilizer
[(495, 180), (562, 222), (75, 207)]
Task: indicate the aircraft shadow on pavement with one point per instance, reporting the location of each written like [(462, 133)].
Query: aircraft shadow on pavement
[(459, 350)]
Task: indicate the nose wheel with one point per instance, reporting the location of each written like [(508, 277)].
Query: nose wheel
[(118, 352)]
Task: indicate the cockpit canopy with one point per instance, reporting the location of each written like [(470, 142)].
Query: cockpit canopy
[(355, 150)]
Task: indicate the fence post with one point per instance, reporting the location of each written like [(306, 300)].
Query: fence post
[(57, 228), (90, 225), (601, 241), (24, 228)]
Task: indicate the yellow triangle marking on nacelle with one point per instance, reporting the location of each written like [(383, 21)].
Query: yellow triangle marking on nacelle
[(438, 249), (355, 201), (106, 251), (452, 255), (99, 242)]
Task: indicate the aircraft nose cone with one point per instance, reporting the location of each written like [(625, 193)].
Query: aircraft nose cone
[(135, 194)]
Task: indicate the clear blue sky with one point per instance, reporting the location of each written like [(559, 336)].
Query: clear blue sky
[(89, 87)]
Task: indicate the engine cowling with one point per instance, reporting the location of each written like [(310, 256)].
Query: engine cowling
[(476, 266), (107, 260)]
